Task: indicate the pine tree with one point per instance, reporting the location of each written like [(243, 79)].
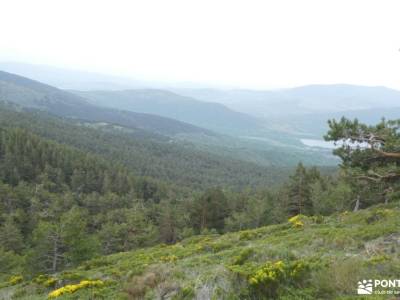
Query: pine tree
[(299, 196), (370, 157), (11, 238), (210, 210)]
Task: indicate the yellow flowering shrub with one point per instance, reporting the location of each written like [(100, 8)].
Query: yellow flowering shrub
[(51, 282), (297, 221), (41, 279), (268, 274), (169, 259), (300, 220), (268, 279), (15, 279), (72, 288), (45, 280), (378, 259)]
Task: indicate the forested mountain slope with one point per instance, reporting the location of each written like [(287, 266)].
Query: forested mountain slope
[(305, 258), (33, 94), (60, 206), (71, 194), (209, 115), (276, 149), (147, 154)]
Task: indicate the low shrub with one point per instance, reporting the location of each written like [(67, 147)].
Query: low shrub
[(41, 279), (15, 279), (156, 280), (185, 293), (72, 288), (338, 278), (247, 235), (243, 256), (46, 281), (71, 276), (267, 280), (168, 259), (378, 215), (297, 221)]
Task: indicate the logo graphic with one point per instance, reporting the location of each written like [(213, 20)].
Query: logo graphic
[(365, 287)]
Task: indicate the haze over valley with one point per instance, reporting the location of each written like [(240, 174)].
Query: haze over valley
[(245, 120)]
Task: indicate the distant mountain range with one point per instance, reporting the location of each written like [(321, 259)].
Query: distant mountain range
[(304, 111), (32, 94), (248, 139), (259, 126), (71, 79), (209, 115), (311, 99)]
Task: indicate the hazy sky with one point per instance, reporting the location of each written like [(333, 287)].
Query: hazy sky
[(263, 44)]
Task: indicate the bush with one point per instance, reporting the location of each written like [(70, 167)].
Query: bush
[(156, 281), (243, 256), (247, 235), (45, 280), (378, 215), (72, 288), (297, 221), (185, 293), (15, 279), (338, 278), (169, 259), (267, 280)]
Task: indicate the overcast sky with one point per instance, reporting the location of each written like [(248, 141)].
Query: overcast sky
[(254, 44)]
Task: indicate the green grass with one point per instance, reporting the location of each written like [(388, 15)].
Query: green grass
[(334, 253)]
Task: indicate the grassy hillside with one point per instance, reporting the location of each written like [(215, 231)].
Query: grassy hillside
[(305, 258)]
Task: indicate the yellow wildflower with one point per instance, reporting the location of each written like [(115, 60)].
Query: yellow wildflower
[(72, 288)]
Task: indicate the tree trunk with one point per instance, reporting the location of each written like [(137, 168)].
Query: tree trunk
[(386, 199), (357, 206), (55, 254)]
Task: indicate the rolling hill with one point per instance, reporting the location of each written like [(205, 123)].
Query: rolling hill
[(35, 95), (70, 79), (147, 154), (315, 125), (311, 99), (208, 115), (254, 144), (304, 111)]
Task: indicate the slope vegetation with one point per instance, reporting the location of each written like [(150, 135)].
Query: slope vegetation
[(305, 258), (146, 153)]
